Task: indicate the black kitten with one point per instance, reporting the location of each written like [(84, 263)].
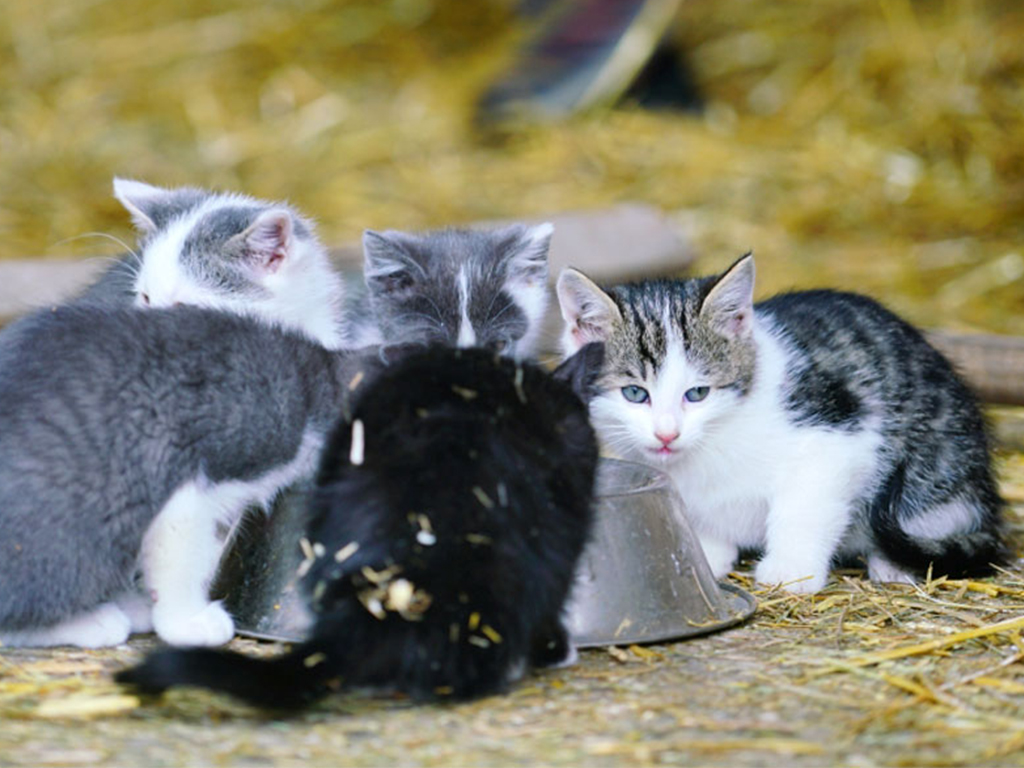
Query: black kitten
[(451, 510)]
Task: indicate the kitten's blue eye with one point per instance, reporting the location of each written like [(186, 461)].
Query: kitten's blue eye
[(635, 394), (696, 394)]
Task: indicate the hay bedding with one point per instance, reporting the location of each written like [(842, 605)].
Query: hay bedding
[(874, 146)]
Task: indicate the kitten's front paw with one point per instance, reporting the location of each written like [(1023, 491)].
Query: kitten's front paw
[(101, 627), (139, 610), (790, 576), (720, 556), (210, 626)]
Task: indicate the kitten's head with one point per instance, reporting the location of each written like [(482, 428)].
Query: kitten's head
[(231, 252), (679, 356), (459, 287)]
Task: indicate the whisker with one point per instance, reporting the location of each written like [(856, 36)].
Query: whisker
[(106, 235)]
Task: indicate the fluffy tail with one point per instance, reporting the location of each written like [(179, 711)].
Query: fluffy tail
[(291, 681), (959, 555)]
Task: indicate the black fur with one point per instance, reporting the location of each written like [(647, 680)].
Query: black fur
[(475, 491)]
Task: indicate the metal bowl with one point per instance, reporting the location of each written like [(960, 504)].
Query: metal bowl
[(642, 579)]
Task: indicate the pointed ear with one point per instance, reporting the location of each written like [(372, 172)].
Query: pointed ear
[(528, 257), (269, 241), (589, 313), (729, 306), (388, 267), (582, 369), (141, 201)]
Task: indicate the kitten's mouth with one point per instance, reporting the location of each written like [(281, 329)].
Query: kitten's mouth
[(663, 451)]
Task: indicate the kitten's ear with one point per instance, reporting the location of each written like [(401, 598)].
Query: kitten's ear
[(528, 258), (142, 201), (269, 241), (388, 267), (729, 306), (582, 369), (589, 313)]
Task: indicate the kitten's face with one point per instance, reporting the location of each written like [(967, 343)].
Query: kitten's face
[(679, 357), (460, 287), (223, 251)]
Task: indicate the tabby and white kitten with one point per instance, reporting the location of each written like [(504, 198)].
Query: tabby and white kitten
[(225, 251), (815, 426), (461, 287)]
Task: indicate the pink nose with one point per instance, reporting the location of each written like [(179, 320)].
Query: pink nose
[(666, 437)]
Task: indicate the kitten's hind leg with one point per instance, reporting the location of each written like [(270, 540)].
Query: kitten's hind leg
[(180, 552), (103, 626), (881, 570)]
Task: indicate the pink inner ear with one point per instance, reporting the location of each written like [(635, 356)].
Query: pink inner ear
[(738, 323), (275, 261), (269, 240)]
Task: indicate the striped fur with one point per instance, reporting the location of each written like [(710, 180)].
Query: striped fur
[(828, 427)]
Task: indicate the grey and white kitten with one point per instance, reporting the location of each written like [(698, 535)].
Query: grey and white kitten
[(815, 426), (127, 437), (225, 251), (461, 287)]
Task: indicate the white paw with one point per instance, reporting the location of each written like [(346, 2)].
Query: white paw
[(880, 569), (107, 625), (571, 657), (720, 556), (139, 610), (103, 626), (793, 577), (210, 626)]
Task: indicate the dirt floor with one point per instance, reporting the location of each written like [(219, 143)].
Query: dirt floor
[(857, 675)]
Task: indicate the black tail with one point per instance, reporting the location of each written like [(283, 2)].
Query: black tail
[(291, 681), (967, 554)]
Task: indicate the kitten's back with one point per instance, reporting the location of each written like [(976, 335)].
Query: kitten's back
[(105, 411), (854, 365)]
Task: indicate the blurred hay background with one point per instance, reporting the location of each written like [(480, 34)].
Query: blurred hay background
[(878, 146)]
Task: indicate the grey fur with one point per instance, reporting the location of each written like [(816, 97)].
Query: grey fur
[(413, 285), (105, 411)]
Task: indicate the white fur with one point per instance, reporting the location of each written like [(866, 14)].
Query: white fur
[(532, 295), (181, 548), (748, 476), (942, 521), (306, 293), (104, 625), (880, 569), (467, 336)]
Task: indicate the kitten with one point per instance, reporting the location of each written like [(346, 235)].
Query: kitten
[(466, 288), (126, 437), (450, 512), (224, 251), (815, 425)]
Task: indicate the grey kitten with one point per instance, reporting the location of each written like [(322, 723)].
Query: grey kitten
[(126, 437), (224, 251), (459, 287), (816, 426)]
